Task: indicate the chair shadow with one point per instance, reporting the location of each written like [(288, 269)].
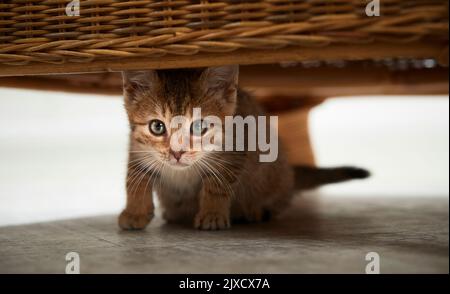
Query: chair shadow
[(303, 220)]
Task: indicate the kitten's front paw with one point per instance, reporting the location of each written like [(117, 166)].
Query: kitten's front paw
[(212, 221), (129, 221)]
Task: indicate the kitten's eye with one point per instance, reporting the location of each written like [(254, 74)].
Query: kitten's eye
[(157, 127), (198, 127)]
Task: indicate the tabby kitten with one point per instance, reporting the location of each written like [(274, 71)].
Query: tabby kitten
[(209, 188)]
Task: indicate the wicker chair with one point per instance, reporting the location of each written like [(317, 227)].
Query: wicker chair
[(321, 48)]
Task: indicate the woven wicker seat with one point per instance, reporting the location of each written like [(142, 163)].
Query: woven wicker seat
[(34, 32)]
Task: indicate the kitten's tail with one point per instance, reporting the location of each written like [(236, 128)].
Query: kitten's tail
[(308, 177)]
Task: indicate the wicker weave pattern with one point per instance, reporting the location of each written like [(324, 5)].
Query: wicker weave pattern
[(40, 30)]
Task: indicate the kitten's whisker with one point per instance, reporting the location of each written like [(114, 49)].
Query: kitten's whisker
[(198, 171), (134, 174), (133, 162), (241, 168), (148, 168), (161, 169), (136, 187), (152, 174), (136, 169), (220, 183), (225, 169), (144, 167), (223, 164), (137, 157), (138, 175), (143, 151)]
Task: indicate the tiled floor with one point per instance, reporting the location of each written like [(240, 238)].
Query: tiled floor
[(317, 235)]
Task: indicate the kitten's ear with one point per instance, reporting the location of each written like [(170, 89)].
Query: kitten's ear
[(222, 82), (134, 81), (222, 76)]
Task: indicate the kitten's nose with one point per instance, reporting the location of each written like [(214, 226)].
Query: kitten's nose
[(176, 154)]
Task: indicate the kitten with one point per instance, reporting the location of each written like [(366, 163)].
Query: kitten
[(209, 188)]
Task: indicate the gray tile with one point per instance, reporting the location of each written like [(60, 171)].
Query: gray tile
[(316, 235)]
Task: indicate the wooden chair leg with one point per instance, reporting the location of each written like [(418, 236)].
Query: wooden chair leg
[(293, 130), (293, 124)]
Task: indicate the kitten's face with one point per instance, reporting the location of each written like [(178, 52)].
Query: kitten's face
[(154, 98)]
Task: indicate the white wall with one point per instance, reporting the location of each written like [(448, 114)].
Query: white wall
[(64, 155), (403, 141)]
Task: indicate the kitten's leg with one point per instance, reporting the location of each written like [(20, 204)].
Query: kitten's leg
[(214, 209), (139, 209)]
